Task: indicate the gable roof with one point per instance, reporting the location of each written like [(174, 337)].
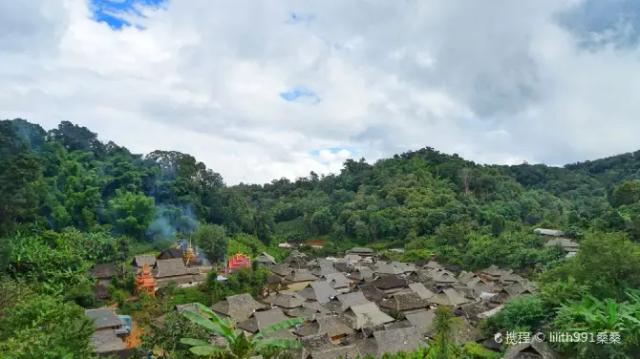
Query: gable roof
[(548, 232), (337, 280), (265, 258), (465, 277), (368, 315), (371, 292), (332, 352), (287, 300), (141, 260), (348, 300), (565, 244), (171, 268), (540, 349), (264, 319), (238, 307), (421, 290), (300, 275), (171, 253), (104, 318), (322, 267), (398, 340), (104, 271), (362, 273), (386, 282), (330, 325), (442, 276), (319, 291), (386, 268), (106, 341), (361, 250), (422, 320), (281, 269), (404, 301), (450, 297)]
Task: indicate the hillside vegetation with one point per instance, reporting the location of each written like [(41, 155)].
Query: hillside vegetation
[(68, 200)]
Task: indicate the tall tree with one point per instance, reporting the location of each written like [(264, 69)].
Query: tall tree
[(212, 239)]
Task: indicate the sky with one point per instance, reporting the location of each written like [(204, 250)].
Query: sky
[(259, 90)]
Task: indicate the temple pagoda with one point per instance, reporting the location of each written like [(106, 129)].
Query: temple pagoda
[(238, 261), (145, 281)]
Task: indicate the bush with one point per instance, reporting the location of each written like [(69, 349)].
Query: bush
[(526, 313)]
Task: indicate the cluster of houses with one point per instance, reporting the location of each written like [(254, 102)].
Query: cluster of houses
[(360, 305), (557, 238), (182, 265), (355, 305)]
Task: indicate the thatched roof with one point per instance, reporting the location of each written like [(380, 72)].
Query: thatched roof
[(331, 325), (450, 297), (238, 307), (422, 320), (172, 268), (332, 352), (104, 318), (338, 280), (287, 300), (350, 299), (320, 291), (104, 271), (141, 260), (265, 258), (367, 315), (386, 282), (398, 340), (404, 301), (533, 350), (300, 275), (421, 290)]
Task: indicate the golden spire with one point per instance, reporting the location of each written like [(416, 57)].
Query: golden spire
[(189, 254)]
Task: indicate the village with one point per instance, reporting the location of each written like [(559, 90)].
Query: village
[(355, 305)]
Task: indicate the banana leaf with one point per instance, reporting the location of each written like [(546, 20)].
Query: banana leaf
[(194, 342), (285, 324)]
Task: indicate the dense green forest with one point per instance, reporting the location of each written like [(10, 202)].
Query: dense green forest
[(68, 201)]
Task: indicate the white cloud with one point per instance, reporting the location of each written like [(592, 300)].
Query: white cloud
[(498, 81)]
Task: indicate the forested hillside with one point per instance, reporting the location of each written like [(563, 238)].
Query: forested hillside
[(68, 200)]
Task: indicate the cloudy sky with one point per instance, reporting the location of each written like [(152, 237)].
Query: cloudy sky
[(267, 89)]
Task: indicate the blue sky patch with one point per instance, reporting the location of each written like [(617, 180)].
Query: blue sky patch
[(300, 18), (334, 150), (300, 94), (118, 13), (597, 23)]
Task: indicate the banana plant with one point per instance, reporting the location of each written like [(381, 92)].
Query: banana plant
[(238, 344)]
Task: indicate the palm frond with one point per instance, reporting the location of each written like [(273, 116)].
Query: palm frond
[(198, 319), (284, 324), (277, 343), (206, 350), (193, 342)]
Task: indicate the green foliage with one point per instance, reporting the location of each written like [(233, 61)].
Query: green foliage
[(473, 350), (130, 212), (164, 338), (525, 313), (242, 281), (238, 346), (593, 315), (607, 264), (627, 192), (212, 239), (45, 326), (444, 345)]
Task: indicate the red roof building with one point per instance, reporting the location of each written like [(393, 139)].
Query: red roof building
[(238, 261), (145, 281)]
